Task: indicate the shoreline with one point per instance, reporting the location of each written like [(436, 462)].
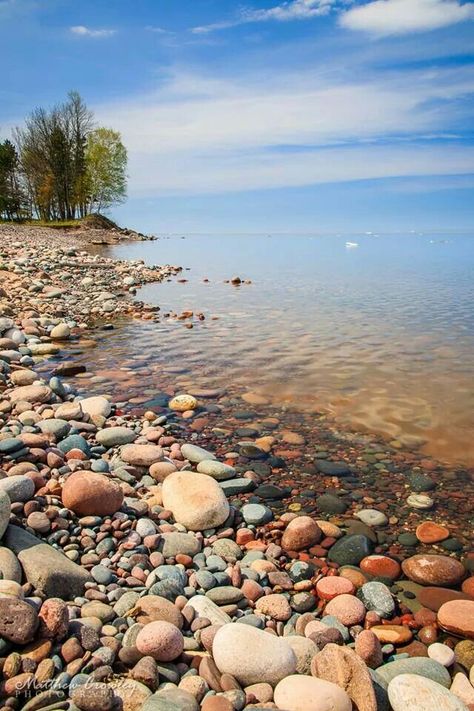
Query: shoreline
[(378, 511)]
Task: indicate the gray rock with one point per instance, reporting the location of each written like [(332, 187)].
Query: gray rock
[(350, 550), (423, 666), (174, 543), (57, 427), (18, 487), (225, 595), (49, 571), (332, 468), (218, 470), (377, 597), (227, 548), (9, 565), (171, 700), (372, 517), (125, 603), (195, 454), (5, 508), (256, 514), (237, 486), (115, 436), (204, 607)]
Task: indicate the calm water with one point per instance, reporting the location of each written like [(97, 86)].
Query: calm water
[(381, 336)]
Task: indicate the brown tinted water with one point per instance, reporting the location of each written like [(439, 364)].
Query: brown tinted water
[(379, 336)]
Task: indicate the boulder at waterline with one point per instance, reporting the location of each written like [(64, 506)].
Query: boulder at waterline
[(195, 500), (49, 571), (91, 494), (305, 693), (426, 569), (413, 692), (251, 655), (457, 617)]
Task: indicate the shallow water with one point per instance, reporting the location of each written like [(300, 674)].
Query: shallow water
[(380, 336)]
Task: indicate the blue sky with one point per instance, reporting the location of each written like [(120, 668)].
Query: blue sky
[(301, 115)]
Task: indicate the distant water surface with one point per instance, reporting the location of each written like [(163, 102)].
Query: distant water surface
[(380, 335)]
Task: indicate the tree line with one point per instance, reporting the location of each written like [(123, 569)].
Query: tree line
[(61, 166)]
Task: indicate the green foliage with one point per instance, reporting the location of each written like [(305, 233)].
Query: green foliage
[(106, 163), (63, 166)]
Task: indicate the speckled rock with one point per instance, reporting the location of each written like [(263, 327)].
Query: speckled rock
[(426, 569)]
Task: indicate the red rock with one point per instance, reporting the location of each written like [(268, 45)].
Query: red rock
[(429, 532), (332, 586), (392, 634), (457, 617), (433, 598), (381, 565), (468, 586), (54, 618), (91, 494), (302, 532), (368, 647), (414, 649), (424, 616), (441, 570), (428, 634)]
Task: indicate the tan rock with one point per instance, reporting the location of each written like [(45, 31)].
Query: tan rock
[(342, 666)]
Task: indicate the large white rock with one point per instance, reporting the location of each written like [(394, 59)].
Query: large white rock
[(252, 655), (96, 405), (196, 500), (417, 693), (306, 693)]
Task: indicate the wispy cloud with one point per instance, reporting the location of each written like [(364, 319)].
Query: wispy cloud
[(198, 135), (396, 17), (83, 31), (157, 30), (286, 11)]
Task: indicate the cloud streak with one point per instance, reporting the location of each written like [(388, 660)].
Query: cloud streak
[(83, 31), (285, 12), (397, 17)]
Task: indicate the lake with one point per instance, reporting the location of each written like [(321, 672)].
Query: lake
[(380, 335)]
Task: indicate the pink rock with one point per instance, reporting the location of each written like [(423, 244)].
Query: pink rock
[(347, 609), (302, 532), (91, 494), (275, 606), (426, 569), (369, 649), (160, 640), (332, 586), (457, 616)]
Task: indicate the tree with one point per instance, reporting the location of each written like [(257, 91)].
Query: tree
[(106, 163), (11, 196)]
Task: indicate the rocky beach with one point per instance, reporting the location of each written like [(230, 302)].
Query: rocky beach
[(198, 548)]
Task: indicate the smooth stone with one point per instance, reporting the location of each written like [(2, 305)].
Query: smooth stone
[(74, 441), (251, 655), (195, 454), (256, 514), (207, 609), (175, 543), (17, 488), (420, 501), (160, 640), (419, 666), (130, 694), (304, 650), (457, 617), (463, 689), (31, 393), (183, 403), (91, 494), (115, 436), (302, 532), (342, 666), (10, 568), (329, 468), (305, 693), (96, 405), (372, 517), (430, 532), (141, 455), (415, 693), (195, 500), (171, 700), (218, 470), (441, 653), (377, 597), (5, 508), (18, 620), (350, 550), (441, 570), (433, 598), (232, 487), (48, 570)]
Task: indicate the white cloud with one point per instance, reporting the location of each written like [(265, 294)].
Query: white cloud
[(389, 17), (286, 11), (198, 135), (82, 31)]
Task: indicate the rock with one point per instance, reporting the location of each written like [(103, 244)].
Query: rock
[(49, 571), (251, 655), (433, 598), (10, 568), (130, 694), (419, 666), (457, 617), (18, 487), (302, 532), (392, 634), (465, 653), (5, 508), (96, 406), (381, 566), (332, 586), (171, 700), (154, 608), (275, 606), (31, 393), (195, 454), (410, 691), (174, 543), (372, 517), (331, 504), (141, 455), (420, 482), (18, 620), (256, 514), (196, 500), (91, 494), (75, 441), (369, 649), (54, 619), (206, 609), (350, 550), (441, 653), (332, 468), (304, 650), (93, 696), (225, 595), (377, 597), (463, 689), (426, 569), (429, 532), (60, 332), (231, 487), (182, 403), (305, 693), (114, 436), (218, 470), (342, 666), (347, 609), (420, 501), (160, 640)]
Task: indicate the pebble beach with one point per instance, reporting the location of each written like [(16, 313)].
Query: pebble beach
[(209, 551)]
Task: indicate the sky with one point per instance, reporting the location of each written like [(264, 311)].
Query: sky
[(292, 116)]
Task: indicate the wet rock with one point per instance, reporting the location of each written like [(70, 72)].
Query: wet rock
[(302, 532), (350, 550), (426, 569)]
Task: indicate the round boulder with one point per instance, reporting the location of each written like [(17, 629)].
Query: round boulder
[(91, 494), (302, 532), (195, 500)]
